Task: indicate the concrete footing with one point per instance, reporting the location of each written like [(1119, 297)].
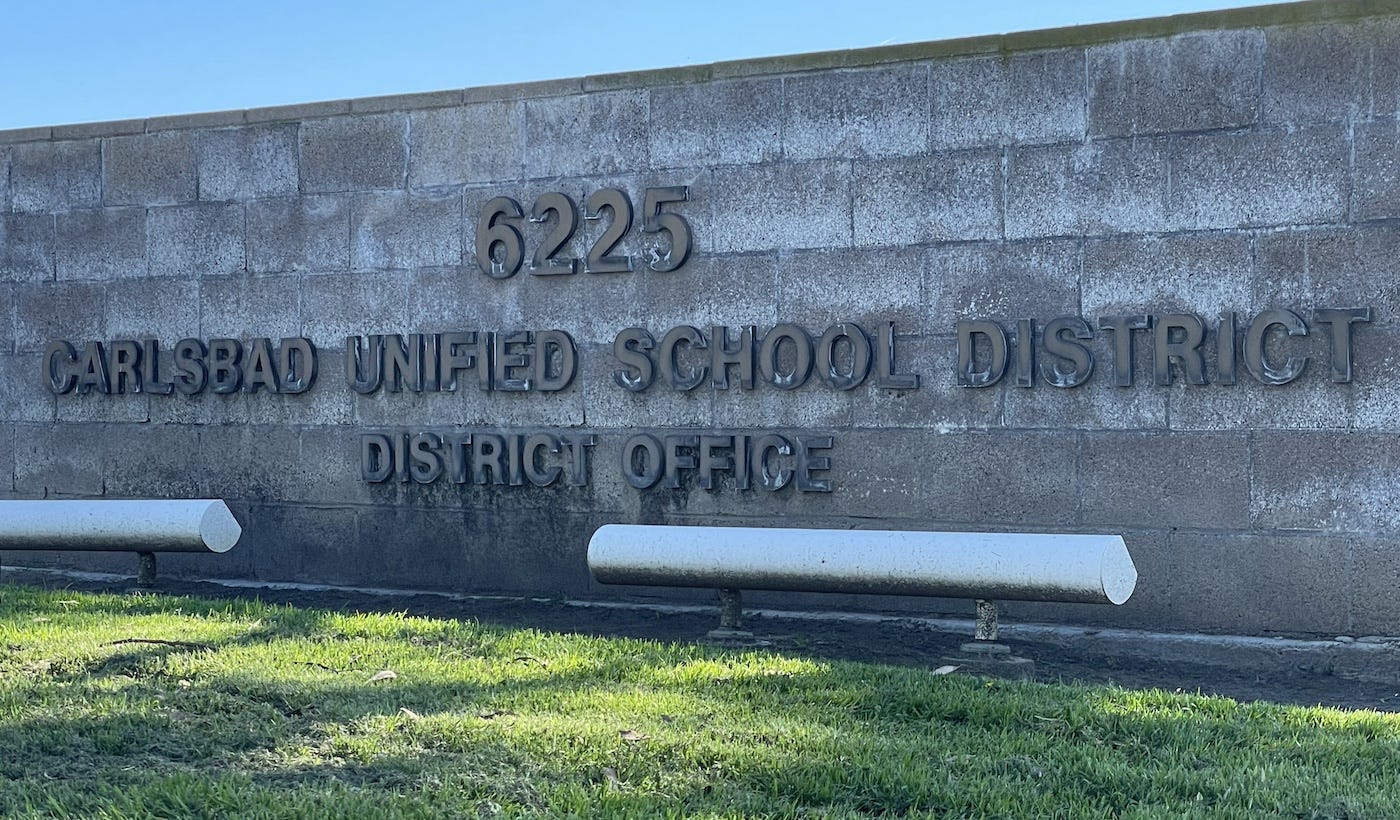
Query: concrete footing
[(991, 658)]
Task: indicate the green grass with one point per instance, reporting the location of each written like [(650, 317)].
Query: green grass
[(279, 718)]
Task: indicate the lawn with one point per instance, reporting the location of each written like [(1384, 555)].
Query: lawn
[(115, 706)]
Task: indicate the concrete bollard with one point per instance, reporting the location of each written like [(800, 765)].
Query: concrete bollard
[(993, 566), (157, 525), (144, 526)]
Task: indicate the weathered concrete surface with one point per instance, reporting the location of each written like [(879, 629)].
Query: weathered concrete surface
[(1227, 162)]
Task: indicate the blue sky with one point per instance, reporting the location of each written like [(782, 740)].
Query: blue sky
[(84, 61)]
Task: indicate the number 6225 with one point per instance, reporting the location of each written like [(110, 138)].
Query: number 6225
[(500, 245)]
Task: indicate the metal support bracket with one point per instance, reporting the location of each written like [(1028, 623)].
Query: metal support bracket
[(146, 570), (731, 618)]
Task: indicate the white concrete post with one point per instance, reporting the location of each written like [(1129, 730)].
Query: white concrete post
[(994, 566)]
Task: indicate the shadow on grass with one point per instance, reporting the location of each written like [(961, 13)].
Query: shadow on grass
[(282, 710)]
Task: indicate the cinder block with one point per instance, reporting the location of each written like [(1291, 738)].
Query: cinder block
[(1375, 575), (331, 455), (340, 305), (289, 543), (245, 307), (149, 169), (1095, 405), (939, 404), (1000, 280), (54, 176), (53, 461), (163, 309), (396, 229), (328, 402), (1105, 187), (869, 477), (1311, 403), (412, 548), (729, 290), (44, 312), (1307, 579), (1150, 480), (542, 302), (201, 409), (1192, 82), (1345, 267), (246, 462), (354, 153), (1328, 481), (247, 163), (876, 112), (195, 240), (26, 247), (7, 461), (928, 199), (466, 299), (608, 406), (814, 405), (1373, 398), (817, 288), (735, 122), (1385, 66), (25, 398), (309, 233), (153, 461), (468, 405), (1192, 273), (1015, 99), (1316, 73), (1029, 479), (103, 243), (782, 206), (564, 408), (8, 326), (481, 142), (1259, 178), (601, 133), (1376, 169), (607, 491), (75, 408), (506, 550)]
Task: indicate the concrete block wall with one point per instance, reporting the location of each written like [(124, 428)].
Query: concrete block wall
[(1231, 161)]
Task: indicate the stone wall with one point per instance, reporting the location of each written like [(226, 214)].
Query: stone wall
[(1178, 169)]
